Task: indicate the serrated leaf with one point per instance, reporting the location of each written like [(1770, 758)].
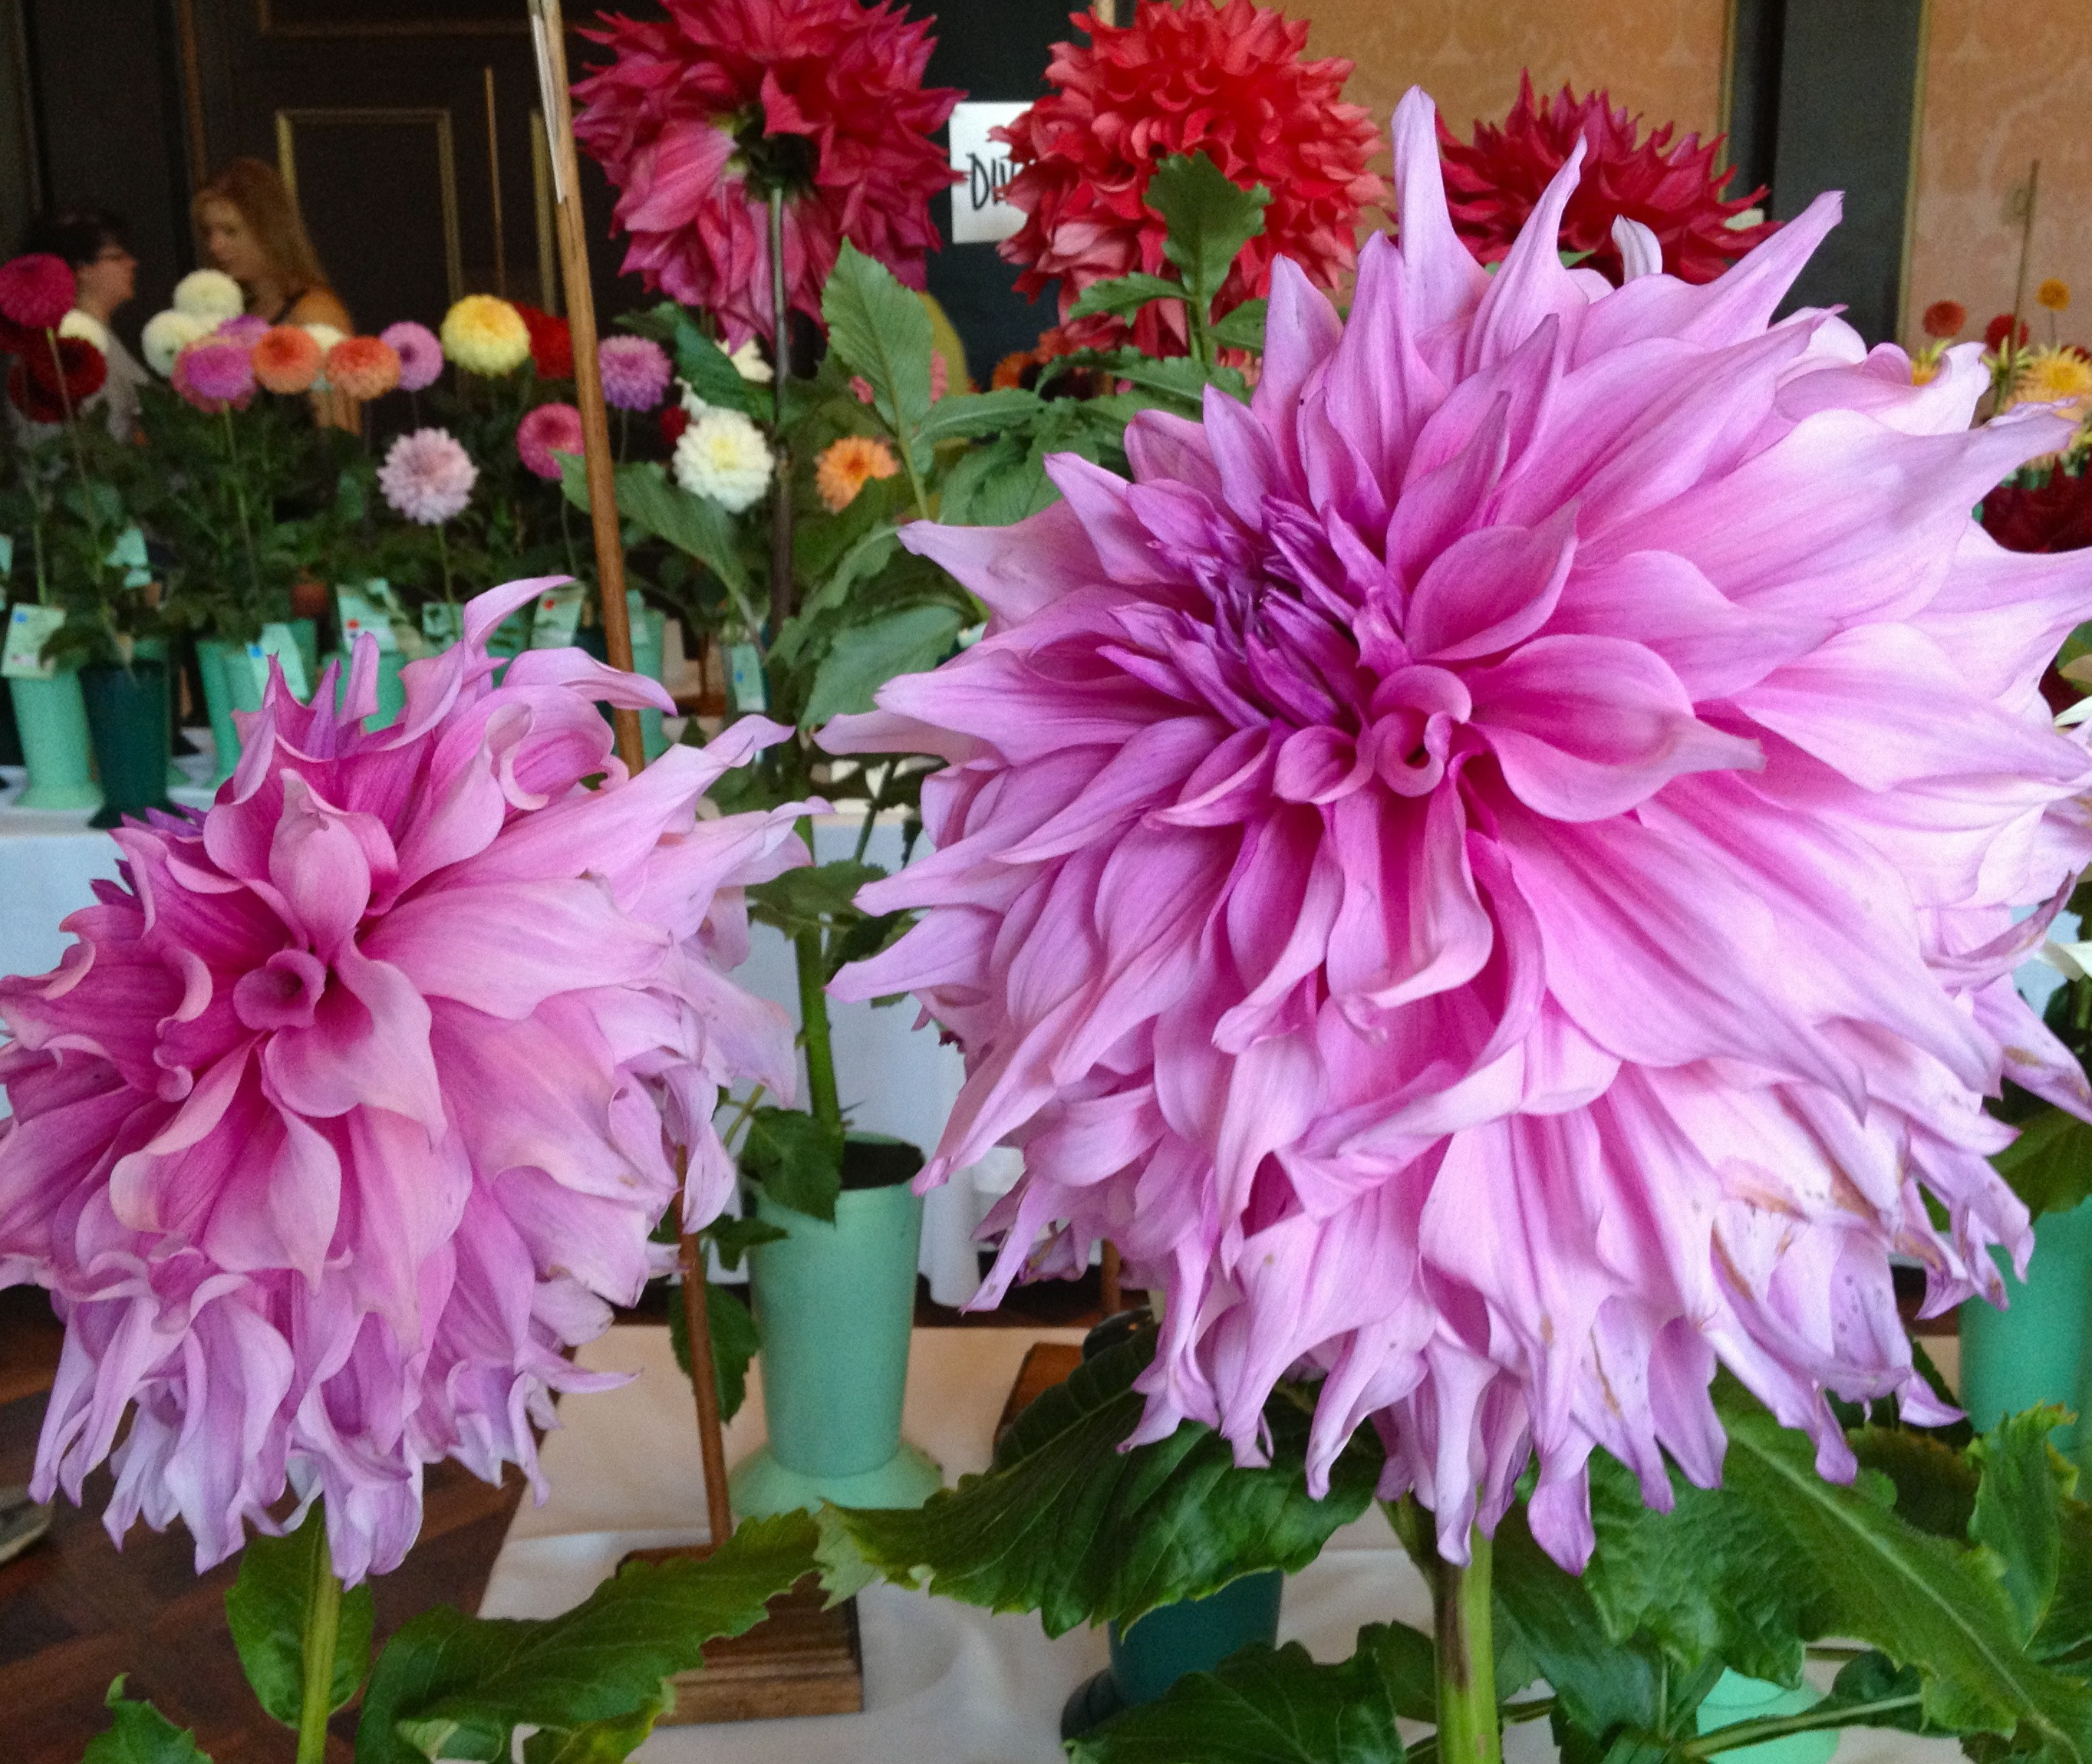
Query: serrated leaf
[(959, 416), (880, 329), (708, 371), (997, 485), (735, 1340), (266, 1609), (1209, 216), (1178, 379), (2048, 1165), (733, 1238), (1268, 1706), (1064, 1524), (1935, 1485), (695, 525), (798, 1159), (461, 1683), (866, 558), (139, 1734), (596, 1742), (2066, 1631), (864, 656), (2019, 1509), (1242, 327), (812, 897), (1121, 296)]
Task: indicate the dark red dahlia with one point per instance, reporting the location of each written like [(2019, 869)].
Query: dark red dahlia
[(1999, 329), (47, 387), (1944, 319), (551, 342), (2056, 516), (702, 115), (36, 290), (1492, 184), (1230, 82)]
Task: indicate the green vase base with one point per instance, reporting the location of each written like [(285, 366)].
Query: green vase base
[(761, 1486), (112, 815), (66, 796), (1736, 1698)]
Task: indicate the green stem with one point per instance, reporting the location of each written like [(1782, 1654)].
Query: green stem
[(741, 1112), (322, 1630), (781, 351), (240, 507), (1813, 1720), (450, 593), (812, 963), (1468, 1730)]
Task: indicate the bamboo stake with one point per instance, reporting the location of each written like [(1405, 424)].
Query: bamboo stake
[(494, 189), (549, 33)]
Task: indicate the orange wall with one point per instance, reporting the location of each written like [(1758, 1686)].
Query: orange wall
[(2004, 86)]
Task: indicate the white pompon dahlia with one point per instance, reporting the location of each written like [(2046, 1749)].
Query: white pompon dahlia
[(1489, 870)]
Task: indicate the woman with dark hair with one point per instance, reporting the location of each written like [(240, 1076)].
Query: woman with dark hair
[(251, 229), (91, 241)]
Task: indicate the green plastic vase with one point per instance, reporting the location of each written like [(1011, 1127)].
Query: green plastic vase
[(218, 662), (127, 717), (1194, 1635), (391, 689), (51, 717), (647, 627), (2033, 1352), (1736, 1698), (834, 1304)]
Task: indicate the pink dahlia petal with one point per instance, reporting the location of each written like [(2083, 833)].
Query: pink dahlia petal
[(354, 1102), (1484, 870)]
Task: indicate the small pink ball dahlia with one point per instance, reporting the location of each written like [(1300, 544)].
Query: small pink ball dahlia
[(215, 373), (1489, 870), (428, 476), (420, 351), (357, 1097), (700, 114), (635, 373), (37, 290), (546, 430)]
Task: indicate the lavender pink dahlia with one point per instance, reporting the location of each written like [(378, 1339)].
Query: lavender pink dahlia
[(421, 354), (635, 373), (428, 476), (1489, 870), (355, 1099)]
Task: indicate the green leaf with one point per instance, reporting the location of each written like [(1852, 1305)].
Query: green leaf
[(1242, 327), (452, 1686), (812, 898), (960, 415), (733, 1238), (708, 371), (996, 486), (692, 525), (864, 559), (2050, 1165), (596, 1742), (736, 1341), (1064, 1524), (2019, 1509), (880, 329), (1275, 1707), (1121, 296), (1179, 379), (798, 1159), (865, 656), (140, 1734), (266, 1610), (1209, 216)]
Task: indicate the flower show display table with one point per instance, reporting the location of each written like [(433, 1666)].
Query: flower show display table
[(944, 1682)]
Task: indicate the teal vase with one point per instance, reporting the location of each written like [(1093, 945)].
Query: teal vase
[(51, 717), (647, 626), (834, 1304), (127, 717), (1736, 1698), (391, 689), (218, 661), (2033, 1352)]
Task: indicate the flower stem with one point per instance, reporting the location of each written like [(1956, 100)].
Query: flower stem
[(1468, 1730), (322, 1630), (811, 957), (450, 592), (239, 505), (780, 349)]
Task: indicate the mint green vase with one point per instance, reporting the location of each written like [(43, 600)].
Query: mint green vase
[(2034, 1351), (52, 717), (221, 663), (1736, 1698), (834, 1304), (391, 689), (647, 626)]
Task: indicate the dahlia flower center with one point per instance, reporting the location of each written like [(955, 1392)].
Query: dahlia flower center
[(283, 993)]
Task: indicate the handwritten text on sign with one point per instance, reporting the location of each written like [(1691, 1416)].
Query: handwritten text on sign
[(978, 214)]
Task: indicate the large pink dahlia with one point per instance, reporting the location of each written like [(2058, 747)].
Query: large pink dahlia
[(356, 1100), (1489, 870), (702, 113)]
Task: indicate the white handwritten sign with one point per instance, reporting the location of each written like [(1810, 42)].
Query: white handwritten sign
[(979, 216)]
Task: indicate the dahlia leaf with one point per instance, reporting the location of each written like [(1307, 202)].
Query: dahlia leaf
[(2019, 1508), (140, 1734), (1210, 218), (880, 331), (1122, 296), (1179, 378), (694, 525), (866, 557), (960, 414), (1242, 327), (706, 367), (1066, 1524), (266, 1609), (736, 1341), (910, 640), (797, 1159), (811, 899), (1266, 1706), (2065, 1634), (457, 1687), (2050, 1165), (997, 485), (597, 1742)]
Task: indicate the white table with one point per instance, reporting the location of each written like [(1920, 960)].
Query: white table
[(944, 1682)]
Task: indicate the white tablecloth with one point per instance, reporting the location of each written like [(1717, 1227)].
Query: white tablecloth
[(944, 1682)]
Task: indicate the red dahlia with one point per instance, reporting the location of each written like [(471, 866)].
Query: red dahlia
[(551, 342), (700, 115), (1229, 82), (2054, 517), (1492, 184), (34, 381)]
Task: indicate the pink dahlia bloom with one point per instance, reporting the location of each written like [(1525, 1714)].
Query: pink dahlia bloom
[(1489, 870), (215, 373), (545, 430), (635, 373), (428, 476), (355, 1099), (248, 328), (700, 113), (37, 290), (420, 355)]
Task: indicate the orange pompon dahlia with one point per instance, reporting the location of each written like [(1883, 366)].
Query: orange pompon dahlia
[(287, 359), (1492, 184), (1945, 318), (363, 368), (844, 467), (1230, 82)]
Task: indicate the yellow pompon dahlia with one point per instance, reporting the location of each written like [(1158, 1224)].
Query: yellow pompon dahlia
[(2054, 294), (484, 334), (2058, 375), (846, 467)]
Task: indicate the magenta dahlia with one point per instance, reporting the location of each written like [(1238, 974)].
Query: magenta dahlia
[(357, 1099), (1489, 870), (700, 115), (1230, 82), (547, 431), (1493, 183)]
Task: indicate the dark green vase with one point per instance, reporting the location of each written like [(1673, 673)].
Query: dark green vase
[(126, 719)]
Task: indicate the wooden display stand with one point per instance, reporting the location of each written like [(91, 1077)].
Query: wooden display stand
[(804, 1658)]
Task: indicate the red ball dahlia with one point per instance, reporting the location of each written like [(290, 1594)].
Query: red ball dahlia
[(1492, 184), (551, 343), (50, 381), (1227, 81), (702, 115)]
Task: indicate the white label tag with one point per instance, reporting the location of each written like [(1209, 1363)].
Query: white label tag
[(556, 617), (28, 627), (979, 216), (744, 681), (280, 642), (363, 613)]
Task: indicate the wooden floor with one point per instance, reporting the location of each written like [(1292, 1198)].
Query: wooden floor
[(75, 1611)]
